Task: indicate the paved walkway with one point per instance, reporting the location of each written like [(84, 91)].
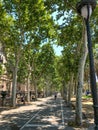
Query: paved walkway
[(45, 114)]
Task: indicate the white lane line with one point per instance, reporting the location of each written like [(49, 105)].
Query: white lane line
[(30, 119), (34, 125), (51, 108), (41, 125), (62, 113)]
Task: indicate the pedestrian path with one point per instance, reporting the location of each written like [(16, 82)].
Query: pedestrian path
[(49, 118), (55, 116), (44, 114)]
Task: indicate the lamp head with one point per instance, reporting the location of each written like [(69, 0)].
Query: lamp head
[(85, 7)]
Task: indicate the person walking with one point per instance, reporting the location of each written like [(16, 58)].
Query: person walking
[(55, 95)]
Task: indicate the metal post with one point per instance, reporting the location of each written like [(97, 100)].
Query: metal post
[(92, 75)]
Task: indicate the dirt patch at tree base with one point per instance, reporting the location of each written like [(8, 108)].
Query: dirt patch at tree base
[(88, 113)]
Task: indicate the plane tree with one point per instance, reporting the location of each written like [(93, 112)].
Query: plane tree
[(31, 23), (71, 32), (45, 63)]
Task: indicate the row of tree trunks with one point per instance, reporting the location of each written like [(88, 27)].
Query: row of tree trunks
[(76, 87)]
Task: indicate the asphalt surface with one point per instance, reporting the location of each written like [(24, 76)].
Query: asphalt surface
[(49, 118), (52, 115)]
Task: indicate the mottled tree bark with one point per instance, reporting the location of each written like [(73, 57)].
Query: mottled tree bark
[(14, 84), (81, 78)]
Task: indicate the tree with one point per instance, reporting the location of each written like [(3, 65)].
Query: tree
[(71, 35), (26, 28), (46, 65)]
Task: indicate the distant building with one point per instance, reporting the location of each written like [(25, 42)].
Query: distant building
[(5, 82)]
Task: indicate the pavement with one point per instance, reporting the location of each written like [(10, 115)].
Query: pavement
[(44, 114)]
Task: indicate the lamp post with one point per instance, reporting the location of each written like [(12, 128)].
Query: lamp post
[(85, 9)]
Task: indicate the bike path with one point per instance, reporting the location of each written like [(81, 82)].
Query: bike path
[(44, 114), (53, 117)]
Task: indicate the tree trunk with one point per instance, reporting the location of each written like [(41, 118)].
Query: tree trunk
[(35, 87), (14, 84), (28, 88), (46, 90), (70, 89), (64, 91), (80, 79), (75, 87)]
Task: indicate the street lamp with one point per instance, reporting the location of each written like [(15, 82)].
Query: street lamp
[(85, 9)]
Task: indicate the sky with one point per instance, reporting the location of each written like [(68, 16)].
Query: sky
[(57, 50)]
